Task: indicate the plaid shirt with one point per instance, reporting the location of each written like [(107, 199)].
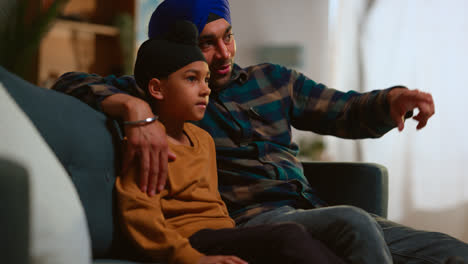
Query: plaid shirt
[(250, 121)]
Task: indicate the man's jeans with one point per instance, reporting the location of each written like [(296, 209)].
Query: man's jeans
[(359, 237)]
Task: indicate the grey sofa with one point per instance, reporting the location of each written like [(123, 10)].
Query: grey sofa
[(83, 141)]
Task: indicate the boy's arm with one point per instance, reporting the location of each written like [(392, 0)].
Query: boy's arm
[(143, 221)]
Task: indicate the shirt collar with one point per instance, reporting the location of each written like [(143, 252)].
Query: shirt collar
[(238, 74)]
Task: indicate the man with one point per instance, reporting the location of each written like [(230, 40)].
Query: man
[(250, 115), (182, 223)]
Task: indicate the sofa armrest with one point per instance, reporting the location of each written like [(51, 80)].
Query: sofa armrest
[(14, 194), (364, 185)]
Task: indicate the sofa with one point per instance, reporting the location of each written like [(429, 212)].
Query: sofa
[(84, 144)]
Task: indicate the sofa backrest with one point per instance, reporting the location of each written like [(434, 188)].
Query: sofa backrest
[(81, 139)]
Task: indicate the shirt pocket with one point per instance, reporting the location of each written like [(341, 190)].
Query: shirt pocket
[(269, 121)]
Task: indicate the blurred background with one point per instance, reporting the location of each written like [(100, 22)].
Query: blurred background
[(347, 44)]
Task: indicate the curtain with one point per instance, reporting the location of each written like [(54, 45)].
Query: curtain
[(422, 44), (346, 21)]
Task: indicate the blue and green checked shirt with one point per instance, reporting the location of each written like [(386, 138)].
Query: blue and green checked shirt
[(250, 121)]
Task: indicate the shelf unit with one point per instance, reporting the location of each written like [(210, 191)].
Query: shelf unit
[(85, 27), (87, 42)]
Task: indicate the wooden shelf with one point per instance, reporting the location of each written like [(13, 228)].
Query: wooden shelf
[(93, 46), (62, 24)]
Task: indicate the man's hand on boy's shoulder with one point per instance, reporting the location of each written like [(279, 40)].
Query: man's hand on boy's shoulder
[(403, 100), (147, 145), (221, 260)]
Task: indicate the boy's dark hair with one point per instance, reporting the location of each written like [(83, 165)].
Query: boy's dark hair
[(159, 57)]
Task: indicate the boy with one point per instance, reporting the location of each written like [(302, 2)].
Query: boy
[(188, 222)]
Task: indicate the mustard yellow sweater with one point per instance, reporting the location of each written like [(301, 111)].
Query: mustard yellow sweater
[(160, 225)]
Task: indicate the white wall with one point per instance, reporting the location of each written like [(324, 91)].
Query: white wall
[(423, 44), (302, 22)]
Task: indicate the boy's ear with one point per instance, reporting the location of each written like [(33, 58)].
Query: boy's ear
[(155, 89)]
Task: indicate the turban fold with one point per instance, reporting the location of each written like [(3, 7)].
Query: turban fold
[(195, 11)]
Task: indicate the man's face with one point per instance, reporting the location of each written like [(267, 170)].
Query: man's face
[(218, 45)]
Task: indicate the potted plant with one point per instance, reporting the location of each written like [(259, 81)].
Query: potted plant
[(23, 23)]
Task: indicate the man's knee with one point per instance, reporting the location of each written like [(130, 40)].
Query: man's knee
[(352, 214), (352, 217)]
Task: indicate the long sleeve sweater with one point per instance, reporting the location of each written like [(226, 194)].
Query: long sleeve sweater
[(160, 225)]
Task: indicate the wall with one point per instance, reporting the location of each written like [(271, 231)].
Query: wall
[(422, 44), (264, 22)]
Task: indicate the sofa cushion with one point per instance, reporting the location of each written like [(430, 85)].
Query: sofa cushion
[(79, 137), (58, 228)]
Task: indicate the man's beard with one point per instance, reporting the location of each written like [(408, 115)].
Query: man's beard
[(219, 82)]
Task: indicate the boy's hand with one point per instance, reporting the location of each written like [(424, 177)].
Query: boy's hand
[(402, 100), (221, 260)]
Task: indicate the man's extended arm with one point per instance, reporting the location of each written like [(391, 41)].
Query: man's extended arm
[(354, 115), (121, 98)]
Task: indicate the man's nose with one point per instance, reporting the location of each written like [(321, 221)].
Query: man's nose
[(222, 51)]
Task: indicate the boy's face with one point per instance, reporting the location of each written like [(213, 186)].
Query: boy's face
[(218, 45), (185, 92)]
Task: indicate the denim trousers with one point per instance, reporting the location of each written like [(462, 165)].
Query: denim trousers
[(359, 237)]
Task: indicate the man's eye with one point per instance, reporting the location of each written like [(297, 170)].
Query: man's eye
[(205, 45), (228, 38)]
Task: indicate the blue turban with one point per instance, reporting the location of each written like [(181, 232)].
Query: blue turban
[(196, 11)]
